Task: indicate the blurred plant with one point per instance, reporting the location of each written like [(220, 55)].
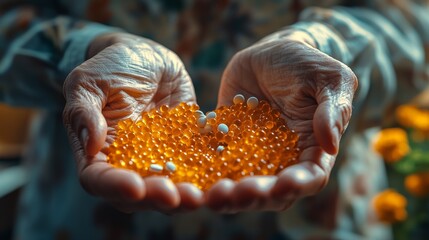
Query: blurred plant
[(405, 149)]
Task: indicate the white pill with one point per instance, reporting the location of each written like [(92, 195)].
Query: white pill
[(239, 98), (198, 113), (252, 102), (202, 121), (223, 128), (170, 166), (219, 149), (155, 168), (211, 115)]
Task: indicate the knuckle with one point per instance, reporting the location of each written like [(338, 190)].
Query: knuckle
[(324, 179), (349, 76), (121, 46), (339, 80), (240, 56), (175, 64), (245, 59), (72, 80), (247, 54), (76, 74)]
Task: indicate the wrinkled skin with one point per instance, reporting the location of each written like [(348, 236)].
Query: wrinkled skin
[(314, 92), (126, 75)]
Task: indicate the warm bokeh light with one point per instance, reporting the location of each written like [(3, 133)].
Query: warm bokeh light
[(413, 117), (392, 144), (418, 184), (390, 206)]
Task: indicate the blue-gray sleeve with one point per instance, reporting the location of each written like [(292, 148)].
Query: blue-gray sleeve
[(384, 44), (38, 52)]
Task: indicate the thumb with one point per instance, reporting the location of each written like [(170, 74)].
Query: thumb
[(333, 114), (84, 120)]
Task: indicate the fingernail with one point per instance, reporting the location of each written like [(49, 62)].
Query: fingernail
[(83, 137)]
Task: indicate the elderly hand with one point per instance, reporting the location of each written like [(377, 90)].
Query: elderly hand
[(124, 76), (314, 92)]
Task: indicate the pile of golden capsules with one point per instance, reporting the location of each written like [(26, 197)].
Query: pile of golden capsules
[(182, 143)]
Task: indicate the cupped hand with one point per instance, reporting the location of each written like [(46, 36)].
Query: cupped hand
[(124, 76), (314, 92)]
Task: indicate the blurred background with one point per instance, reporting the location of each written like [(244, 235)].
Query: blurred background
[(15, 128), (404, 205)]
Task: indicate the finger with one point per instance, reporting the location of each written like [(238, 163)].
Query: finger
[(161, 194), (306, 178), (101, 179), (191, 197), (238, 78), (219, 196), (83, 114), (184, 90), (176, 84), (334, 112), (252, 193), (330, 121)]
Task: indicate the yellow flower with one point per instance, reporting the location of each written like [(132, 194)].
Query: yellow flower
[(392, 144), (405, 113), (413, 117), (418, 184), (390, 206)]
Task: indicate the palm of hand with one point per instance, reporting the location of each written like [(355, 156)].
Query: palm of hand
[(303, 84), (120, 82)]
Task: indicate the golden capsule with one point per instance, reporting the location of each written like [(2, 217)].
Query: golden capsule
[(175, 139)]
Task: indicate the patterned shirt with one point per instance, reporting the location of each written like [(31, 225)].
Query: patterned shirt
[(385, 42)]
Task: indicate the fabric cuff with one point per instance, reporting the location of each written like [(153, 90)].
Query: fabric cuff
[(77, 43), (324, 35), (326, 39)]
